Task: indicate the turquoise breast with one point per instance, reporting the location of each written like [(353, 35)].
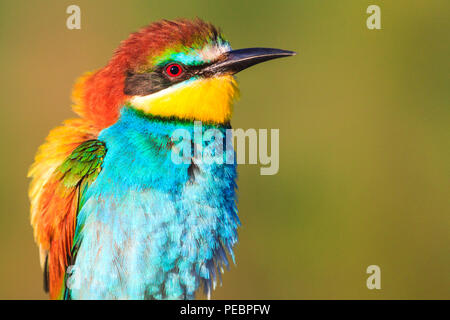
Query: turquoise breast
[(150, 228)]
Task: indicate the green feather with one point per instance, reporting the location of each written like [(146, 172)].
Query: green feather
[(84, 162)]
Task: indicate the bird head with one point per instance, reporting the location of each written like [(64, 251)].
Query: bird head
[(179, 69)]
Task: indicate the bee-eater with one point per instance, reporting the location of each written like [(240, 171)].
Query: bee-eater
[(114, 217)]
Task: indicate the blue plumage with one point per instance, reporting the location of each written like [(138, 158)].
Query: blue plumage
[(148, 227)]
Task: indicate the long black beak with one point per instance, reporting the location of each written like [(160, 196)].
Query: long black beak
[(233, 61)]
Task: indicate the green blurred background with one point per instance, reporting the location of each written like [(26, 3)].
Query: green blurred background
[(364, 138)]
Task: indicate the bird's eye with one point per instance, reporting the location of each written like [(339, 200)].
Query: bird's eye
[(174, 70)]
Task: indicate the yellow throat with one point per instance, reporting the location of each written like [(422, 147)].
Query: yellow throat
[(202, 99)]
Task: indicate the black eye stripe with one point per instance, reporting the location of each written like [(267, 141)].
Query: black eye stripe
[(142, 84), (188, 69)]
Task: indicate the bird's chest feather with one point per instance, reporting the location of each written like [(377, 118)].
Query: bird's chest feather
[(148, 227)]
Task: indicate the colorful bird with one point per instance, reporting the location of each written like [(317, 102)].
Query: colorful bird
[(114, 216)]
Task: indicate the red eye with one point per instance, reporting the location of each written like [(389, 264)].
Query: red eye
[(174, 70)]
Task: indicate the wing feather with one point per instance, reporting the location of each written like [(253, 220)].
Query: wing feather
[(62, 169)]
